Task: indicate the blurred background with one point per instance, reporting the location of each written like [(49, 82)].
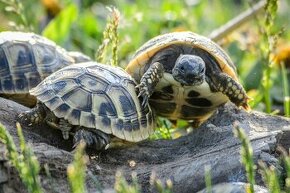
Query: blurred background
[(260, 48)]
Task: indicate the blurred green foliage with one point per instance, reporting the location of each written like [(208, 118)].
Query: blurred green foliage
[(80, 25)]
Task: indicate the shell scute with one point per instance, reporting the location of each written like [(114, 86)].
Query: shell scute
[(92, 99), (78, 98), (107, 109), (150, 48), (28, 58), (87, 118), (21, 82), (92, 84), (125, 104)]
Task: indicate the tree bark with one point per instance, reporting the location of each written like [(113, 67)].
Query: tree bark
[(182, 160)]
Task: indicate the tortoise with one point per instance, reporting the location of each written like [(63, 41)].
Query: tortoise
[(26, 59), (93, 102), (186, 76)]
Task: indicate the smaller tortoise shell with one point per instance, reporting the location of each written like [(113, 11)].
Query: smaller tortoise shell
[(26, 59), (150, 48), (97, 96)]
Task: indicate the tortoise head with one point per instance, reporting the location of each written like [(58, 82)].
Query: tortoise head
[(189, 70)]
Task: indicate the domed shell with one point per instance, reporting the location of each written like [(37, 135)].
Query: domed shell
[(97, 96), (26, 59), (150, 48)]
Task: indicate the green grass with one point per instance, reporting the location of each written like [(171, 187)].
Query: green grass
[(24, 161), (16, 8), (84, 27), (286, 91), (122, 186), (268, 45), (270, 178), (246, 156), (76, 171), (208, 179), (112, 36)]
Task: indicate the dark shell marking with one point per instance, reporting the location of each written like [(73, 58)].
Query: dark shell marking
[(26, 59), (137, 65), (188, 103), (191, 103), (97, 96)]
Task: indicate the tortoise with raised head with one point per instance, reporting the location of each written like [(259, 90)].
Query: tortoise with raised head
[(26, 59), (186, 76), (95, 102)]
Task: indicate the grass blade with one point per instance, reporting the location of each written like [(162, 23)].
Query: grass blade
[(285, 90), (246, 156), (25, 162), (77, 170), (110, 36)]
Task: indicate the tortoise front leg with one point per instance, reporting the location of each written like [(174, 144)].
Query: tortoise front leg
[(231, 88), (34, 116), (63, 125), (149, 80), (94, 139)]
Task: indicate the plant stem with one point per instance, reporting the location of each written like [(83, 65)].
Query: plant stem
[(285, 90), (246, 156)]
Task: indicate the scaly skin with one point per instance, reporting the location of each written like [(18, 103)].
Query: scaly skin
[(33, 117), (93, 138), (149, 80), (224, 83)]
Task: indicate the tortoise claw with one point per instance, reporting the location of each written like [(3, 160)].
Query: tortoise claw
[(93, 139), (143, 94), (245, 104), (25, 119)]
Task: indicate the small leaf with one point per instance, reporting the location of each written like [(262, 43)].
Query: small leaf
[(59, 28)]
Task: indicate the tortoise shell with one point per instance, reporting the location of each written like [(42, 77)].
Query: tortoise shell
[(136, 66), (26, 59), (171, 99), (97, 96)]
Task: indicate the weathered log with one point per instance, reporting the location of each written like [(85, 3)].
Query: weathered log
[(234, 187), (182, 160)]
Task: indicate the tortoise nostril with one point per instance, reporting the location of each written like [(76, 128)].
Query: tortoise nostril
[(192, 74)]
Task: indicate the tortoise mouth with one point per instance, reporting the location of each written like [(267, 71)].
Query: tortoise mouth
[(188, 80)]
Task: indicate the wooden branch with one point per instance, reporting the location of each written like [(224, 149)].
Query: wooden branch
[(182, 160), (236, 22)]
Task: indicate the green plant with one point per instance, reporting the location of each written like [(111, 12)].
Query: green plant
[(286, 160), (59, 29), (285, 90), (16, 7), (25, 161), (160, 187), (76, 171), (246, 156), (110, 36), (267, 46), (208, 184), (270, 178), (122, 186)]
